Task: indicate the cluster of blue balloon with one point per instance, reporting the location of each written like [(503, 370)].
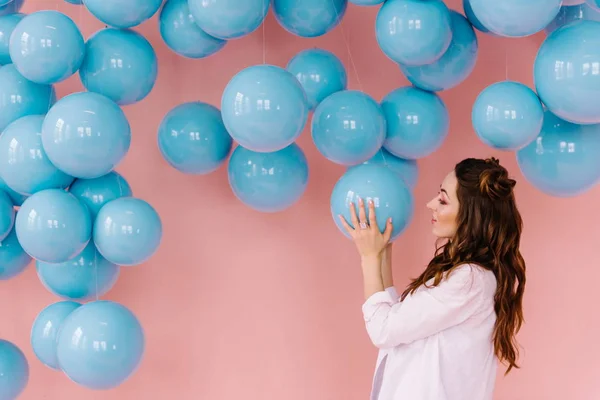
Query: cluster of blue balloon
[(62, 203)]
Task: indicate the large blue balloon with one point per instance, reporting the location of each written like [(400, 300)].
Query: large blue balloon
[(100, 345), (264, 108), (404, 40), (515, 18), (47, 47), (7, 26), (7, 215), (563, 160), (417, 122), (96, 192), (180, 32), (119, 64), (454, 66), (20, 97), (123, 14), (44, 331), (391, 195), (24, 165), (86, 135), (573, 13), (13, 259), (268, 182), (229, 19), (193, 139), (53, 226), (407, 169), (564, 73), (127, 231), (14, 371), (87, 276), (348, 127), (320, 72), (12, 7), (309, 18), (507, 115), (468, 10)]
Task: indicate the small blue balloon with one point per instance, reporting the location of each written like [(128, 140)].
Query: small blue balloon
[(515, 18), (20, 97), (563, 160), (121, 349), (7, 215), (45, 331), (320, 72), (13, 259), (12, 7), (123, 14), (24, 165), (193, 139), (7, 26), (268, 182), (391, 196), (127, 231), (14, 371), (180, 32), (96, 192), (264, 108), (507, 115), (103, 146), (17, 198), (407, 169), (417, 122), (47, 47), (119, 64), (87, 276), (564, 74), (229, 19), (309, 18), (573, 13), (468, 10), (407, 42), (348, 127), (53, 226), (454, 66)]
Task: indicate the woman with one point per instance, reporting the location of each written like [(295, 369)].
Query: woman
[(442, 338)]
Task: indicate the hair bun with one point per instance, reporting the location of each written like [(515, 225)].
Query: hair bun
[(494, 181)]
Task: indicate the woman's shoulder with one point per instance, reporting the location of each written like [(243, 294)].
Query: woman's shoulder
[(472, 273)]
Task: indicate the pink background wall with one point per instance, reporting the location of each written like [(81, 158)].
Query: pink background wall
[(242, 305)]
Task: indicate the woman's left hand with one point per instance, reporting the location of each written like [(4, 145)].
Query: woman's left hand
[(366, 234)]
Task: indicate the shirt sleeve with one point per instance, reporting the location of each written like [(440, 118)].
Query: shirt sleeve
[(393, 293), (428, 311)]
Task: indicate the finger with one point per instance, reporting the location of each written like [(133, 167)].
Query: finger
[(353, 216), (387, 234), (346, 225), (362, 214), (372, 216)]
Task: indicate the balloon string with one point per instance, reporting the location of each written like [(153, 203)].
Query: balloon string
[(347, 43), (506, 61), (264, 40)]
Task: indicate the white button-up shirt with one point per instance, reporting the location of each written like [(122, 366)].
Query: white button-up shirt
[(437, 344)]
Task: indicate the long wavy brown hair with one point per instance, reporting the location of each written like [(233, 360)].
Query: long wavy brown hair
[(488, 234)]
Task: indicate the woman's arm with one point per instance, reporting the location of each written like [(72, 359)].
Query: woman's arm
[(386, 267)]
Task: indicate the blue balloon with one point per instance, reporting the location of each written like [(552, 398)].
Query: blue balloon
[(515, 18), (229, 19), (468, 10), (7, 26), (348, 127), (4, 2), (86, 135), (181, 34), (595, 4), (391, 195), (123, 14), (96, 192), (13, 259), (47, 47), (507, 115), (14, 371), (7, 215), (309, 18), (563, 160), (268, 182), (563, 72), (119, 64), (87, 276), (100, 345), (407, 169), (454, 66), (17, 198), (193, 139), (320, 73), (12, 7), (366, 2), (20, 97), (53, 226), (127, 231), (264, 108), (417, 122), (75, 2), (24, 165), (402, 42), (574, 13), (45, 330)]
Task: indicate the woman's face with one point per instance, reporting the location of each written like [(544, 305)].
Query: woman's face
[(444, 208)]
